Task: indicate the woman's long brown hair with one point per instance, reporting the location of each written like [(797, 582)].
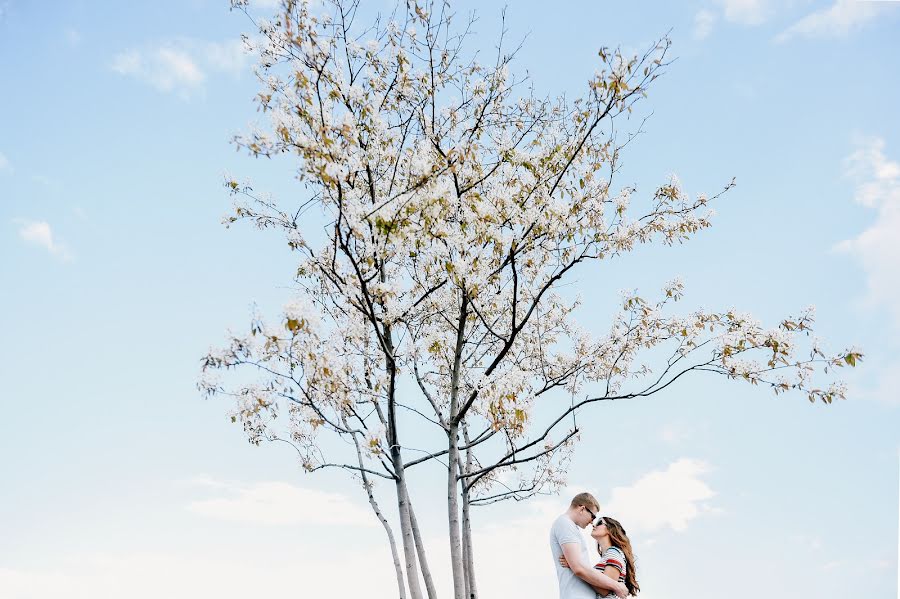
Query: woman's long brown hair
[(618, 538)]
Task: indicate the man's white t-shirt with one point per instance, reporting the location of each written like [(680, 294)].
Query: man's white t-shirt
[(570, 586)]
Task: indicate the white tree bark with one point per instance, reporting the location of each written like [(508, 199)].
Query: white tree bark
[(469, 557), (367, 485), (409, 544), (420, 549), (456, 556)]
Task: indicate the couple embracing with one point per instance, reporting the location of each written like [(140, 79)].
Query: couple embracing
[(614, 574)]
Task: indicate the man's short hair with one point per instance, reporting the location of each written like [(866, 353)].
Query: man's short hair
[(585, 499)]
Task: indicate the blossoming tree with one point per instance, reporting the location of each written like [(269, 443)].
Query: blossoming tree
[(457, 203)]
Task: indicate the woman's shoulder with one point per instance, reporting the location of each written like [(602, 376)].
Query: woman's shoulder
[(613, 556)]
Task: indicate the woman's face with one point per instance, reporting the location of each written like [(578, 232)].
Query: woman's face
[(599, 531)]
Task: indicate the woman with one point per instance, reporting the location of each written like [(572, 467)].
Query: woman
[(616, 557)]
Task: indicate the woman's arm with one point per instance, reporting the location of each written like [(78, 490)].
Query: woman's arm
[(614, 561), (610, 571), (591, 576), (599, 583)]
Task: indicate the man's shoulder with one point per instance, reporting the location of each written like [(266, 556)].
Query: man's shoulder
[(565, 531)]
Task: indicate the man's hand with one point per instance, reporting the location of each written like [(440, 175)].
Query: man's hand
[(621, 590), (563, 562)]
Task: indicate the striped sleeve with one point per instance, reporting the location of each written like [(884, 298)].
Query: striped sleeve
[(614, 557)]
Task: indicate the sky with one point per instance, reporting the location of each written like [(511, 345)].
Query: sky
[(116, 276)]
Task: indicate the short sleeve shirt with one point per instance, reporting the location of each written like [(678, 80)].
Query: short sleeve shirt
[(612, 556), (562, 532)]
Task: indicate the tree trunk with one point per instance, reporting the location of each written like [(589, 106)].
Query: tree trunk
[(465, 551), (456, 558), (469, 557), (398, 570), (406, 535), (471, 588), (409, 549), (420, 549)]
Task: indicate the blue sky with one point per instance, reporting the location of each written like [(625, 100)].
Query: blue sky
[(116, 276)]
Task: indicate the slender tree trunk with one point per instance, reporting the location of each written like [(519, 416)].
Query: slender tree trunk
[(471, 588), (465, 548), (393, 436), (456, 558), (420, 550), (409, 545), (398, 570)]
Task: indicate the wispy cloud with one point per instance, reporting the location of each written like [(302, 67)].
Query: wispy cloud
[(40, 234), (5, 166), (746, 12), (279, 503), (838, 20), (511, 552), (740, 12), (166, 69), (703, 23), (659, 500), (663, 499), (181, 66), (261, 567), (877, 248), (227, 57)]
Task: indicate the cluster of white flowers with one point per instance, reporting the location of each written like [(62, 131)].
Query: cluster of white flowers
[(453, 201)]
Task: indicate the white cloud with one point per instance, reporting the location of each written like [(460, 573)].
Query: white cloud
[(658, 500), (877, 248), (745, 12), (175, 560), (703, 23), (258, 569), (838, 20), (181, 66), (741, 12), (280, 503), (5, 166), (39, 233), (662, 499), (165, 68), (230, 56)]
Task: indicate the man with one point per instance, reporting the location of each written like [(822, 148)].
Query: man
[(579, 580)]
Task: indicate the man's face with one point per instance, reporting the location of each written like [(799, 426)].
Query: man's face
[(586, 515)]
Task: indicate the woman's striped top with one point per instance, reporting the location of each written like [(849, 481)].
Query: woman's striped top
[(612, 556)]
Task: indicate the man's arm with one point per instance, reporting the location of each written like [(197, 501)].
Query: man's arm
[(595, 578)]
